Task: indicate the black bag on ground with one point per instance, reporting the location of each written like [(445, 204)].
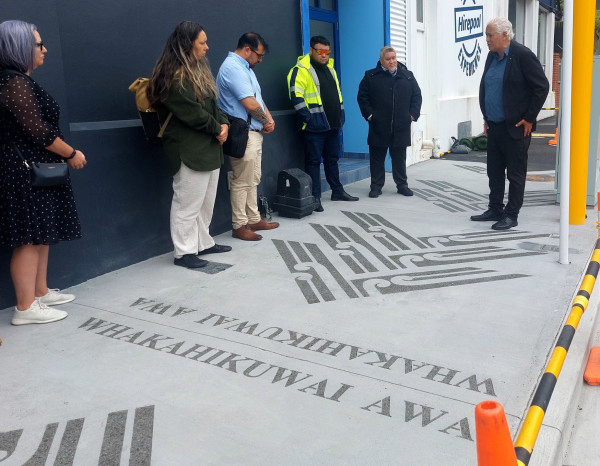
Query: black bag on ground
[(458, 148), (237, 137)]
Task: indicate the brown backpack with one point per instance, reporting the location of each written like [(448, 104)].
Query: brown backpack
[(153, 128)]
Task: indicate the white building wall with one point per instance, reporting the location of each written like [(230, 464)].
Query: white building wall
[(453, 94), (449, 84)]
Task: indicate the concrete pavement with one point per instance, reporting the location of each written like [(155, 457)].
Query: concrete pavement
[(583, 448), (362, 335)]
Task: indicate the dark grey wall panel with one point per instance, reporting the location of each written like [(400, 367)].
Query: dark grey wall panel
[(95, 50), (51, 75), (105, 56)]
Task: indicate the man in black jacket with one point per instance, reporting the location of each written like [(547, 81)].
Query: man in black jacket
[(389, 99), (511, 94)]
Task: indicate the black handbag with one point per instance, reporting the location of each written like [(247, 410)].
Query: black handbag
[(45, 174), (237, 137)]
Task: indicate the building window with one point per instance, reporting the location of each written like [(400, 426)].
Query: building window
[(516, 15), (419, 8), (542, 27)]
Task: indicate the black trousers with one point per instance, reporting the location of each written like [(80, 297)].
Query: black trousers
[(506, 158), (324, 145), (377, 163)]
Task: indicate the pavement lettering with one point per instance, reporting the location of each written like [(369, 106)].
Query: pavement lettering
[(384, 408), (215, 357), (325, 388), (375, 358)]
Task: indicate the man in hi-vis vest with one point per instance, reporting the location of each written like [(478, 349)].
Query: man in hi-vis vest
[(316, 97)]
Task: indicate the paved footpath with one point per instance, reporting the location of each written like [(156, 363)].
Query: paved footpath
[(364, 335)]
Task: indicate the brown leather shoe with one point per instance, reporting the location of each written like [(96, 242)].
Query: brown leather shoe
[(263, 225), (245, 233)]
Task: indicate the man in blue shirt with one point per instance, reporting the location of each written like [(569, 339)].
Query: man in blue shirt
[(240, 96), (511, 94)]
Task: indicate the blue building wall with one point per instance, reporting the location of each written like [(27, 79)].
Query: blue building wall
[(362, 34)]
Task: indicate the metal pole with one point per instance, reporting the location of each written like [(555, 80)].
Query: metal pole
[(564, 132), (582, 56)]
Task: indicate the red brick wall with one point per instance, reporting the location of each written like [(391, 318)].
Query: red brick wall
[(556, 77)]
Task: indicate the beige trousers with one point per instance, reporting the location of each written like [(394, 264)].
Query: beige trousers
[(192, 206), (244, 178)]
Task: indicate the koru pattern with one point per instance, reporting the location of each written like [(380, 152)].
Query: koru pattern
[(479, 169), (375, 257), (453, 198)]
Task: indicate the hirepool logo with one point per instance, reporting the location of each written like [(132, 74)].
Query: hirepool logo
[(468, 31)]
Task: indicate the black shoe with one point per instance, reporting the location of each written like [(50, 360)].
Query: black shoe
[(215, 249), (488, 216), (190, 261), (343, 196), (405, 191), (374, 193), (505, 223), (319, 207)]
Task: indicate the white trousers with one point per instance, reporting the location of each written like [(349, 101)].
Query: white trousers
[(194, 196)]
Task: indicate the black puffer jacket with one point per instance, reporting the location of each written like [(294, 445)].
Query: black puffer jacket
[(390, 101)]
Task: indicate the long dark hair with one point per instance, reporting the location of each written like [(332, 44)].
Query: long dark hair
[(177, 61)]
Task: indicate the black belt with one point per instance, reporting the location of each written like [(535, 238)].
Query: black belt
[(496, 122), (257, 130)]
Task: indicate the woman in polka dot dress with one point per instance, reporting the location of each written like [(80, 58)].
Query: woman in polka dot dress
[(31, 218)]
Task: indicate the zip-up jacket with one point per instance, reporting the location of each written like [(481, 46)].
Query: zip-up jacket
[(305, 94), (388, 102)]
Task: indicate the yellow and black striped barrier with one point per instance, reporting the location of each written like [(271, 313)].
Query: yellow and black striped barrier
[(533, 421)]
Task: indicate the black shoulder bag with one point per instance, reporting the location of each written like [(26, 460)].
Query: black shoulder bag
[(44, 175), (237, 137)]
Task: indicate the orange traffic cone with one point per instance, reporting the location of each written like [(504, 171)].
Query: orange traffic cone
[(552, 142), (494, 443)]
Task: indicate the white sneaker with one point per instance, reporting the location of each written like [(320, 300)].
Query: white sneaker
[(38, 313), (54, 296)]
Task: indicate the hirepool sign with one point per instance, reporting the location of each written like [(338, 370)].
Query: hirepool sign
[(468, 35)]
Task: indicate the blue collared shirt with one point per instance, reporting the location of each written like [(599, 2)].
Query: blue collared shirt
[(493, 87), (236, 81)]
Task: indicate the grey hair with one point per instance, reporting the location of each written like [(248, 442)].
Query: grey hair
[(503, 26), (386, 49), (17, 45)]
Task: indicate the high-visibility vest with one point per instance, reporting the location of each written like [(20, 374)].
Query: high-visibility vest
[(304, 91)]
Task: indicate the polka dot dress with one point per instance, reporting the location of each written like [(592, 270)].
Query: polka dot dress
[(29, 117)]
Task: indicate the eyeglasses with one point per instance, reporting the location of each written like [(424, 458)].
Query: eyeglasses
[(322, 51), (40, 45), (259, 55)]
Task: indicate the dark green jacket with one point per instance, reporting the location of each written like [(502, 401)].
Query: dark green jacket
[(190, 136)]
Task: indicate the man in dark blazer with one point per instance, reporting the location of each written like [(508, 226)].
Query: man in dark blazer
[(511, 94), (389, 99)]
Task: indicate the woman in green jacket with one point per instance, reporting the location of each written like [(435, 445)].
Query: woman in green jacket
[(182, 84)]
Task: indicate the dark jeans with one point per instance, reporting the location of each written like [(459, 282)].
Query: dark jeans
[(326, 145), (377, 163), (505, 154)]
